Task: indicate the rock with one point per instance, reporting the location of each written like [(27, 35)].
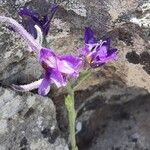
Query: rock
[(28, 121), (102, 15), (17, 66), (123, 82), (116, 127), (119, 81)]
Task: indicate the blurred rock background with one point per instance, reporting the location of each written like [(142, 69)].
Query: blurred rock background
[(113, 103)]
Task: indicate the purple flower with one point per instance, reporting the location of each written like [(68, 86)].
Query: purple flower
[(97, 53), (31, 18), (57, 70)]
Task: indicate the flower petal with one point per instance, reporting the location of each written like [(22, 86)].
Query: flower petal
[(84, 51), (29, 24), (25, 11), (64, 67), (106, 59), (47, 19), (42, 21), (102, 51), (45, 85), (89, 36), (111, 51), (58, 78), (48, 57), (73, 61)]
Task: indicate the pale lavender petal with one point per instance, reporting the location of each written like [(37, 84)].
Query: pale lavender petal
[(58, 78), (27, 87), (73, 61), (18, 28), (48, 57), (64, 67), (102, 51), (45, 85)]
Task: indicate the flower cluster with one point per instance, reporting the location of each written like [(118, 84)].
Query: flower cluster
[(31, 18), (97, 52), (58, 68)]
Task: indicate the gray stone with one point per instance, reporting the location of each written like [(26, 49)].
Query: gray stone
[(28, 121), (17, 65), (102, 15), (117, 127)]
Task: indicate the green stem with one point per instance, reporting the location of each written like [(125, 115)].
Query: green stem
[(69, 102)]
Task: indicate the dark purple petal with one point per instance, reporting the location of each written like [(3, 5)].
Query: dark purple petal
[(47, 19), (45, 25), (58, 78), (29, 24), (29, 20), (42, 21), (74, 62), (45, 52), (111, 51), (24, 12), (45, 85), (53, 9), (89, 36)]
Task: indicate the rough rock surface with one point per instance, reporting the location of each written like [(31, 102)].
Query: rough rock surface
[(113, 108), (116, 127), (15, 53), (28, 122), (125, 84)]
